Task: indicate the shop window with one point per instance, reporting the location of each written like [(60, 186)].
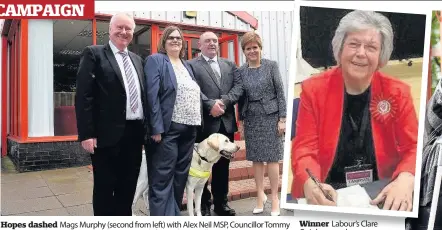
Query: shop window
[(194, 47), (70, 38)]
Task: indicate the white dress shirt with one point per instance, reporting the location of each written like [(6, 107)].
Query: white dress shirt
[(214, 65), (138, 115)]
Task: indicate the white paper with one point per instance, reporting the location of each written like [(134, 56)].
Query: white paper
[(353, 196)]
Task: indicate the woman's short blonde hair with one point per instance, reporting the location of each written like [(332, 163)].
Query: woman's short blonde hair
[(250, 37)]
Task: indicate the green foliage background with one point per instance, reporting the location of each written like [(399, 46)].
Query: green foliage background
[(435, 39)]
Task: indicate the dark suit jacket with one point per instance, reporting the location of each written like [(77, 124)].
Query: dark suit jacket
[(161, 84), (100, 101), (229, 91)]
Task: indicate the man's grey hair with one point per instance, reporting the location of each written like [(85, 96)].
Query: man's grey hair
[(360, 20), (119, 14)]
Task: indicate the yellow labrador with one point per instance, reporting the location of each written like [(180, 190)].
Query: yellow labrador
[(205, 154), (142, 185)]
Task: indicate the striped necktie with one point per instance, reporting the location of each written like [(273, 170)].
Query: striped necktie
[(133, 94)]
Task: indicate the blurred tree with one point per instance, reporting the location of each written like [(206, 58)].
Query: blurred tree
[(435, 43)]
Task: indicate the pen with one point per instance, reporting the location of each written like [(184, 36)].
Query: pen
[(327, 195)]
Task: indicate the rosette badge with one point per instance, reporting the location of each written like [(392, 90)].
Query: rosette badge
[(383, 108)]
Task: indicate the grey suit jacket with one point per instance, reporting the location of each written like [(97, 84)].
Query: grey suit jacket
[(272, 94), (229, 91)]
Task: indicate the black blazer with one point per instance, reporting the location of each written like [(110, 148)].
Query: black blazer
[(161, 84), (100, 101)]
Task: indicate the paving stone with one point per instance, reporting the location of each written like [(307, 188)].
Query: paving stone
[(60, 189), (50, 212), (30, 205), (81, 210), (65, 179), (74, 199), (22, 177), (67, 172), (24, 184), (72, 189), (14, 194)]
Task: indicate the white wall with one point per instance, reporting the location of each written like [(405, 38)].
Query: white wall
[(220, 19), (40, 78), (275, 29)]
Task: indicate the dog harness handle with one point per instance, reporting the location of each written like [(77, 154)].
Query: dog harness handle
[(197, 173)]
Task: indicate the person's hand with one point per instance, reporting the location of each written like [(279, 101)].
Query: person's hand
[(221, 104), (217, 109), (156, 138), (398, 195), (281, 127), (314, 195), (89, 145)]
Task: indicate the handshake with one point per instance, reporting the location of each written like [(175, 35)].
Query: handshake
[(217, 109)]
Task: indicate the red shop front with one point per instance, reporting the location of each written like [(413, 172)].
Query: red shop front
[(39, 63)]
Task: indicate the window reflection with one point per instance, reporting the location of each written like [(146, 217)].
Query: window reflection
[(70, 38)]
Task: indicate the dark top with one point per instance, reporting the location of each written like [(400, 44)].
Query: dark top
[(348, 153), (254, 83)]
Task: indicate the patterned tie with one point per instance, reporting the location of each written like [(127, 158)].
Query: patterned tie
[(215, 70), (133, 95)]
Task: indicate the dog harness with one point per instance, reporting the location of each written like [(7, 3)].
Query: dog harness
[(197, 173)]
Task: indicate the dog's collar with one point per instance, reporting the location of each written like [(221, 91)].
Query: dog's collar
[(200, 157), (197, 173)]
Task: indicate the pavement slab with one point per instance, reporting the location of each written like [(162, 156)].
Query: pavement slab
[(29, 205)]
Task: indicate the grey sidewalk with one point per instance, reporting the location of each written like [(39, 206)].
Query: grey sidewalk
[(68, 192)]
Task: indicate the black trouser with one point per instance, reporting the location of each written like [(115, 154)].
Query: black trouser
[(220, 176), (168, 164), (116, 171), (421, 223)]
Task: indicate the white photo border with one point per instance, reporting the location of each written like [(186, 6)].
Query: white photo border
[(404, 7)]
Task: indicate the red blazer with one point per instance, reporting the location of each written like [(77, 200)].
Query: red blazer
[(394, 127)]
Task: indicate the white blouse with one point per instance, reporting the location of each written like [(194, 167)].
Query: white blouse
[(187, 108)]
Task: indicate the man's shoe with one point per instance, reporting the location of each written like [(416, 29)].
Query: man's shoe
[(205, 210), (224, 210)]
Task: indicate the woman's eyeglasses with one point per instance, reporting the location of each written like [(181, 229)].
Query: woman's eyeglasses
[(173, 38)]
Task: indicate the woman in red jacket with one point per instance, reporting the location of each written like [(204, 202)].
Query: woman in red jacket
[(355, 124)]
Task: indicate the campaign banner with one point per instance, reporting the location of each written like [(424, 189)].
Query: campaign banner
[(47, 9)]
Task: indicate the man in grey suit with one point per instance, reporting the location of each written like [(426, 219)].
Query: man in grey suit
[(221, 86)]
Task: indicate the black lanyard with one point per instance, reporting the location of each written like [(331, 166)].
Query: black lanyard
[(359, 140)]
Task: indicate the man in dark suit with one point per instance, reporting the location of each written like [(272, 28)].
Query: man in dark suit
[(222, 86), (110, 108)]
